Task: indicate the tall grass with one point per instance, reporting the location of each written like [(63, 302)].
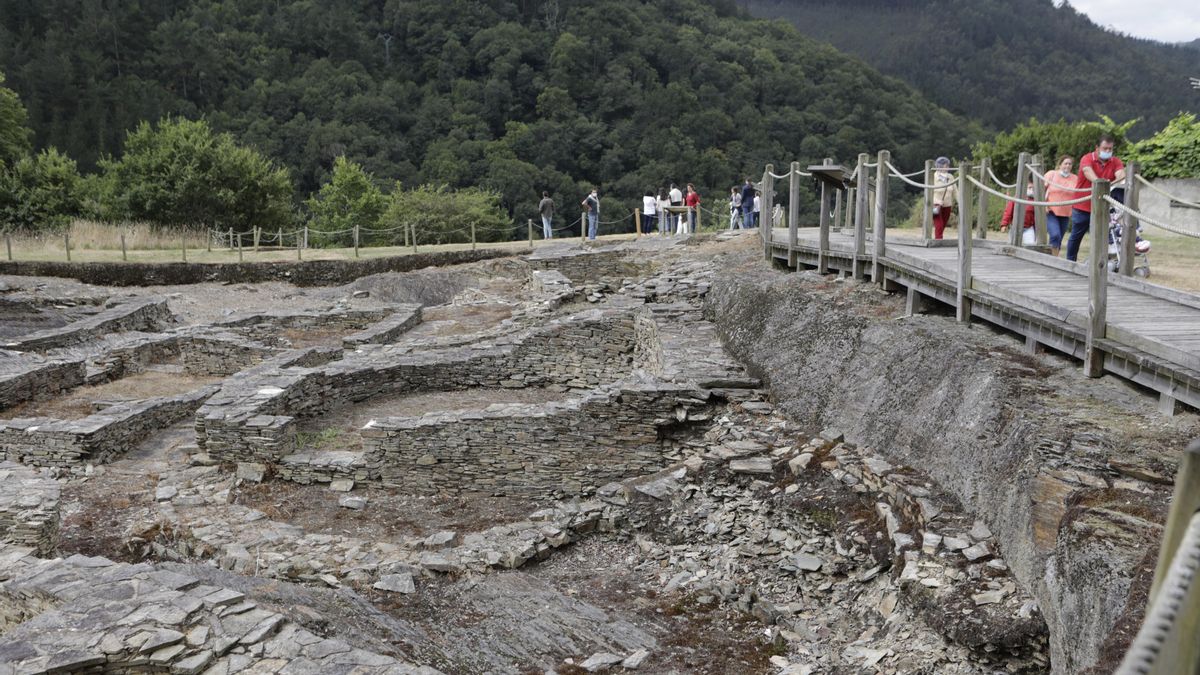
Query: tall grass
[(98, 236)]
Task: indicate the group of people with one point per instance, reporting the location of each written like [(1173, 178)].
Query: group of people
[(666, 211), (1062, 185), (745, 205)]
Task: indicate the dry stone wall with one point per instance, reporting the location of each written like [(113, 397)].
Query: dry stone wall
[(42, 441), (140, 314), (29, 509), (25, 379), (571, 446)]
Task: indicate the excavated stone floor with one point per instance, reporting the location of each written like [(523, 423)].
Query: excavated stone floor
[(543, 464)]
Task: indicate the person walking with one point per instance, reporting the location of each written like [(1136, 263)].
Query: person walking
[(546, 209), (676, 197), (757, 207), (649, 212), (592, 204), (735, 207), (1028, 234), (1059, 182), (1099, 164), (943, 196), (664, 223), (692, 201), (748, 204)]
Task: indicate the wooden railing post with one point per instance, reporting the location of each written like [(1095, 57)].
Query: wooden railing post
[(1017, 227), (208, 240), (412, 234), (837, 209), (981, 222), (927, 210), (860, 216), (1184, 503), (355, 240), (239, 249), (8, 244), (258, 236), (793, 214), (823, 233), (183, 244), (881, 199), (1039, 194), (1129, 223), (1093, 358), (582, 226), (67, 243), (768, 201), (637, 222), (962, 300), (123, 254), (231, 239)]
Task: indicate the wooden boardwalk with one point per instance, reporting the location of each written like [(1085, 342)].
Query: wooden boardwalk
[(1152, 334)]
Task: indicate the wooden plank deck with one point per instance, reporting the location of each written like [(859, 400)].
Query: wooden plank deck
[(1153, 333)]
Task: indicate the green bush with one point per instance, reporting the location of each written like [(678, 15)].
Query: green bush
[(179, 172), (444, 216), (1049, 139), (39, 191), (1173, 152), (349, 198)]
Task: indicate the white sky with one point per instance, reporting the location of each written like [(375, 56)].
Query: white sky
[(1166, 20)]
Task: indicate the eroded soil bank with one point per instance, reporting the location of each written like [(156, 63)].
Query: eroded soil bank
[(1071, 474)]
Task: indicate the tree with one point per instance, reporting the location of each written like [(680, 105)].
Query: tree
[(179, 172), (1173, 152), (1049, 139), (440, 215), (40, 191), (14, 134), (349, 198)]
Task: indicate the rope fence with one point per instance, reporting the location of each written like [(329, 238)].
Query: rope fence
[(922, 186), (1026, 202), (1166, 194), (1142, 218)]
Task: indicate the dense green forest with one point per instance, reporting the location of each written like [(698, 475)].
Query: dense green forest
[(1005, 61), (510, 96)]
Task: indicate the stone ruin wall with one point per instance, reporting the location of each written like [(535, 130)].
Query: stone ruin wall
[(42, 381), (29, 509), (141, 314)]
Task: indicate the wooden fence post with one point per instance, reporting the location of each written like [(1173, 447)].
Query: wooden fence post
[(208, 239), (861, 215), (1093, 358), (927, 210), (793, 213), (279, 237), (837, 210), (299, 242), (529, 225), (183, 247), (355, 240), (764, 215), (981, 223), (67, 243), (881, 199), (637, 222), (8, 244), (1129, 223), (582, 227), (962, 301), (823, 232), (123, 255), (1017, 227), (699, 219), (231, 239), (413, 235), (475, 239), (258, 237), (1041, 236), (239, 249), (1184, 503)]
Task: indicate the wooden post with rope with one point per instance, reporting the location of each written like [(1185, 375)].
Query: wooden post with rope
[(823, 232), (793, 214), (962, 302), (765, 213), (1097, 325), (881, 190), (637, 222), (981, 222), (1041, 235), (355, 240), (1129, 222), (1017, 227), (861, 215), (123, 254), (927, 210)]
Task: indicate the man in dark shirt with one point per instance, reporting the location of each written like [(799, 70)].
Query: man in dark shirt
[(747, 205)]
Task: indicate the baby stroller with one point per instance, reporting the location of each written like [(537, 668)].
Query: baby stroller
[(1116, 230)]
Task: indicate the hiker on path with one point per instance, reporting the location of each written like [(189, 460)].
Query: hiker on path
[(944, 196), (692, 201), (592, 204), (676, 197), (664, 221), (649, 212), (1058, 218), (749, 207), (735, 206), (546, 209)]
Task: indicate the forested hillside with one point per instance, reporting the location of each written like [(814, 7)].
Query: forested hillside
[(514, 96), (1005, 61)]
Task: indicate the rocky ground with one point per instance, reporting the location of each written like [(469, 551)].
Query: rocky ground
[(804, 527)]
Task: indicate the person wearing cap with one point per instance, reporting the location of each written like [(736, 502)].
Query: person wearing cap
[(943, 196)]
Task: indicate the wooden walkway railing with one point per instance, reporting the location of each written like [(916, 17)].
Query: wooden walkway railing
[(1114, 322)]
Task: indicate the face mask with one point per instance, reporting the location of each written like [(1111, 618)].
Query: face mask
[(1105, 155), (1065, 173), (1029, 193)]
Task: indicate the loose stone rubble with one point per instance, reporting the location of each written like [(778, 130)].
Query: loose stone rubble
[(660, 443)]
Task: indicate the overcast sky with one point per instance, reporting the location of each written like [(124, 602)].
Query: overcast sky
[(1166, 20)]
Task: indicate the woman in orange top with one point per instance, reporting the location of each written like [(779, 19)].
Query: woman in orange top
[(1059, 182)]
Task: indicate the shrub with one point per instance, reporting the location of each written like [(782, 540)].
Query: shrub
[(442, 216), (349, 198), (39, 191), (1049, 139), (1173, 152)]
